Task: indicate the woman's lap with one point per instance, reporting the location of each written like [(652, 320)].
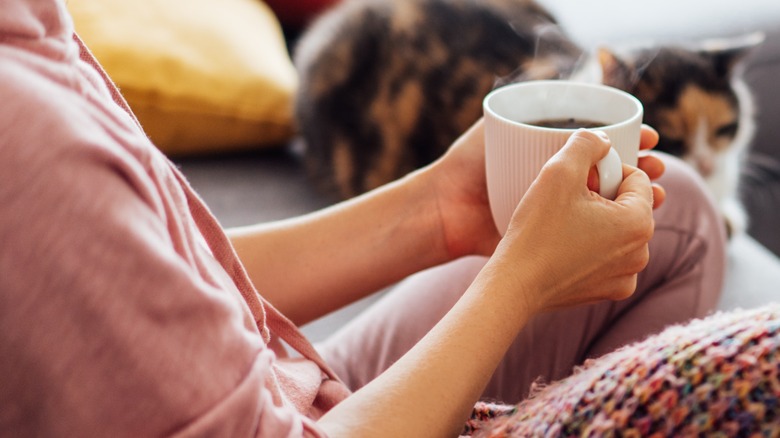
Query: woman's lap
[(682, 281)]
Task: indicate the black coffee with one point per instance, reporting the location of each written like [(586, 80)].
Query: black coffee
[(570, 123)]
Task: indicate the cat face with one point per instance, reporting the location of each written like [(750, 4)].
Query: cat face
[(689, 96), (699, 127)]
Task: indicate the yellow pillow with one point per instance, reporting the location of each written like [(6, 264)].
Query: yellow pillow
[(200, 75)]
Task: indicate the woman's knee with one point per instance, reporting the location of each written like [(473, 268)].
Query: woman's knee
[(688, 249), (689, 206)]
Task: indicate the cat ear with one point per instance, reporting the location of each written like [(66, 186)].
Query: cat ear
[(725, 54), (615, 72)]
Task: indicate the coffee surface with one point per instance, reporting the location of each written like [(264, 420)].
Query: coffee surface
[(568, 123)]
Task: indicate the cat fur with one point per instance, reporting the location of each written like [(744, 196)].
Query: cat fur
[(387, 86)]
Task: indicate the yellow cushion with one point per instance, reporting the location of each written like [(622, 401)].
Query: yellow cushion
[(200, 75)]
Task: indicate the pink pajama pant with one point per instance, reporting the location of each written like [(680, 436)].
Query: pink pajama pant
[(682, 281)]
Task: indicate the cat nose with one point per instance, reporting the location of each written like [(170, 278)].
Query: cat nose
[(705, 166)]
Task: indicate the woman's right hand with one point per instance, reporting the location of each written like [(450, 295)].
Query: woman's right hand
[(565, 245), (573, 245)]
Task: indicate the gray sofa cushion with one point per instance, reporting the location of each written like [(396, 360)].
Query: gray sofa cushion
[(752, 275)]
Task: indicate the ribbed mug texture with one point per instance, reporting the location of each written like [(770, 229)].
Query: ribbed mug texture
[(515, 152)]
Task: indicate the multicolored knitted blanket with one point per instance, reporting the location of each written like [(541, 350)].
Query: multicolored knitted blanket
[(713, 377)]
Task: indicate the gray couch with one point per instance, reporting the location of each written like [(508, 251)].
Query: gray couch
[(268, 185)]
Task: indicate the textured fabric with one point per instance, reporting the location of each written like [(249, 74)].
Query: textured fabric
[(683, 280), (123, 309), (485, 412), (713, 377)]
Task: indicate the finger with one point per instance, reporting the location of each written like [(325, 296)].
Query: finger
[(659, 196), (648, 137), (621, 288), (475, 133), (593, 180), (636, 261), (636, 185), (628, 287), (652, 166), (583, 150)]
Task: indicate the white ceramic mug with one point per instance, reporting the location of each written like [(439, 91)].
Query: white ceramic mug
[(516, 149)]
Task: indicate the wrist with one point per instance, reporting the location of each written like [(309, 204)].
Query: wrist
[(513, 281), (462, 209), (425, 208)]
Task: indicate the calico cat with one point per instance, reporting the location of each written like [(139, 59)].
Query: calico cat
[(386, 86), (702, 109)]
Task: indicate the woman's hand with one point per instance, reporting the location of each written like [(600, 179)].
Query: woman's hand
[(565, 245), (572, 245), (460, 189), (650, 164)]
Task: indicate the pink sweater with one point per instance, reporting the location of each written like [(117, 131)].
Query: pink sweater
[(123, 309)]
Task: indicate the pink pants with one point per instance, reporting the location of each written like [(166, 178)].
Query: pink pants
[(682, 281)]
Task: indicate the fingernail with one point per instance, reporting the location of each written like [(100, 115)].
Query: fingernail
[(602, 134)]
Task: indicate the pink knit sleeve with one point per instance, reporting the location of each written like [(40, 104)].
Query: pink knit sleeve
[(107, 326)]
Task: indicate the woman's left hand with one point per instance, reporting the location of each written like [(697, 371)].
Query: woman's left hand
[(459, 188)]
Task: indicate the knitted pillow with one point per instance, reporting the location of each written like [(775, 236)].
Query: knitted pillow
[(200, 75), (712, 377)]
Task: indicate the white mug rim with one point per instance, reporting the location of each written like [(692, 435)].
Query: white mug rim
[(637, 105)]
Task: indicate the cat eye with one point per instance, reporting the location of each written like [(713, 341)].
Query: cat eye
[(671, 146), (727, 130)]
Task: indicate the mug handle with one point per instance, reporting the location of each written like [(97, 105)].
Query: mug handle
[(610, 174)]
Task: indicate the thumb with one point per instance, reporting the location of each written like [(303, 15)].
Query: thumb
[(584, 149), (636, 186)]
